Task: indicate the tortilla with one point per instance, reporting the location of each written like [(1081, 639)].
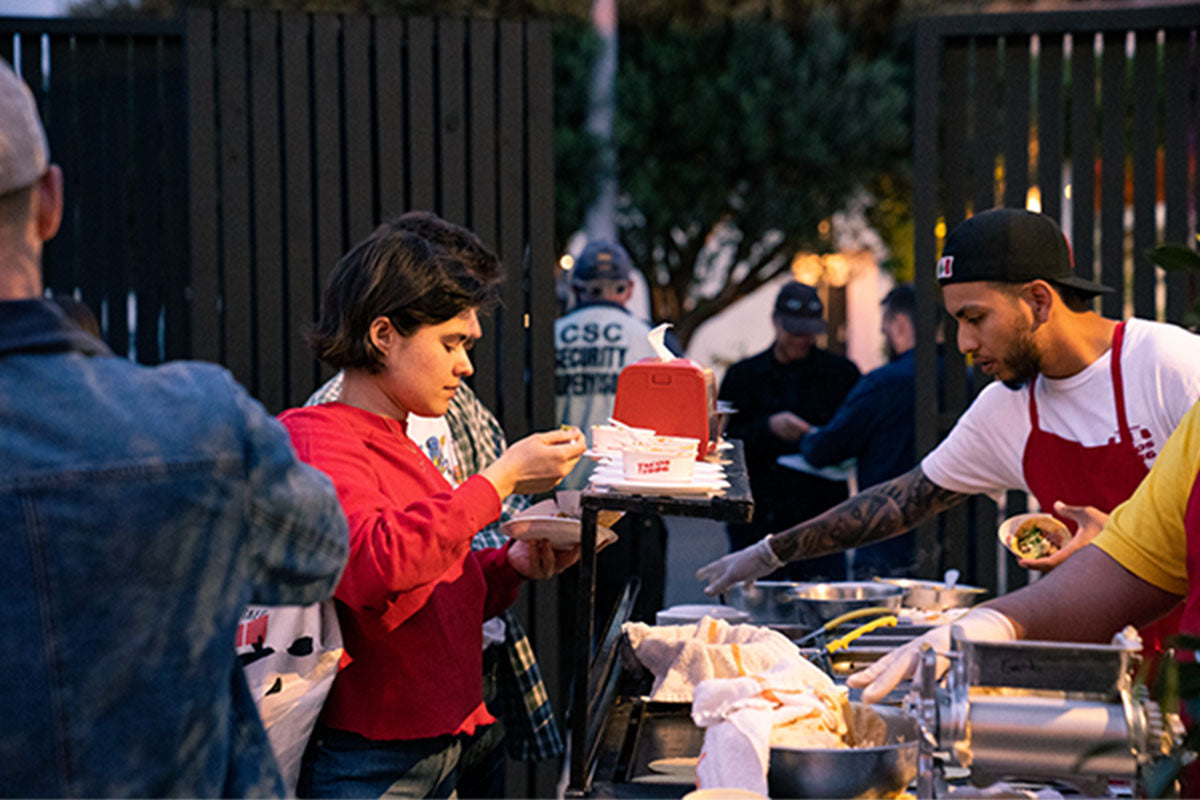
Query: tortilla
[(606, 519), (1039, 537)]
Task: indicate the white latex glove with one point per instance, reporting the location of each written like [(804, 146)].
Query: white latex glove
[(743, 566), (980, 625)]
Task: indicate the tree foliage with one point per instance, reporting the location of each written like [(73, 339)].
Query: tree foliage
[(575, 150), (735, 142), (741, 126)]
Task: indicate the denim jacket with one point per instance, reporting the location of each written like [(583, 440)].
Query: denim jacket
[(140, 510)]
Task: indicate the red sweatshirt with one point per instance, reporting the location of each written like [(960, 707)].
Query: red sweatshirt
[(414, 595)]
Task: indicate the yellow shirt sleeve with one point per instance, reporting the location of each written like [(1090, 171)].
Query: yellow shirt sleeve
[(1145, 534)]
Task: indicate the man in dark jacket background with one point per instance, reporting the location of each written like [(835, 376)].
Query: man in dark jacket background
[(877, 426), (778, 394)]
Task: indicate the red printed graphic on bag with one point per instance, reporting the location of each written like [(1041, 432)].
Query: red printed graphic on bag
[(252, 628)]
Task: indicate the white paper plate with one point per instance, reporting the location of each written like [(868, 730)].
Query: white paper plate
[(632, 486), (707, 473), (563, 532), (613, 473), (835, 472), (679, 765)]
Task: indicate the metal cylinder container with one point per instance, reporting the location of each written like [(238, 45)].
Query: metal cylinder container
[(1048, 736)]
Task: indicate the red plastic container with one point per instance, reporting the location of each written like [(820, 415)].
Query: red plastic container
[(675, 398)]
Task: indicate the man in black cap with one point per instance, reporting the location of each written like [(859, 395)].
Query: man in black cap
[(594, 341), (1080, 409), (777, 395), (592, 344)]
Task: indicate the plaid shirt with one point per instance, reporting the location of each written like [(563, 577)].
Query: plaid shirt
[(531, 731)]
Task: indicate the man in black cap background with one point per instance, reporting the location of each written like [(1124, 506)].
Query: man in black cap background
[(876, 426), (777, 395), (1077, 415), (592, 343)]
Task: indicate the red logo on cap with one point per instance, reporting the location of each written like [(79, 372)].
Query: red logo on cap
[(945, 267)]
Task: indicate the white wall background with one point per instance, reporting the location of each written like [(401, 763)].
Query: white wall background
[(32, 8)]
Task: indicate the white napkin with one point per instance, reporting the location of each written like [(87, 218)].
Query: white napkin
[(740, 713), (681, 656), (656, 338)]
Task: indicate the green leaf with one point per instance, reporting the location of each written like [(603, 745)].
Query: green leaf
[(1174, 257)]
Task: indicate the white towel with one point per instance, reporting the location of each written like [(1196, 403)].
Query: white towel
[(794, 698), (681, 656)]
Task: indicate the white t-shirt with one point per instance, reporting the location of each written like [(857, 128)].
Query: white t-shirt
[(1160, 368), (432, 435), (592, 345)]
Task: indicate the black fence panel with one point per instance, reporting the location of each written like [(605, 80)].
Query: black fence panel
[(313, 128), (1089, 114), (111, 96)]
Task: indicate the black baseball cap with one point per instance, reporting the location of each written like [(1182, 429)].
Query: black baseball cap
[(1011, 245), (602, 261), (799, 309)]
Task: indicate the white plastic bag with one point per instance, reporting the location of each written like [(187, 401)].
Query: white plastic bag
[(290, 657)]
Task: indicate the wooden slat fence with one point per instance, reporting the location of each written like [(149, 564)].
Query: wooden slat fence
[(216, 167), (1096, 109), (309, 129), (112, 96)]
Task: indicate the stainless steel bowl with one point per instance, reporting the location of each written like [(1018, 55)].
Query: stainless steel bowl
[(935, 595), (852, 772), (767, 602), (818, 603)]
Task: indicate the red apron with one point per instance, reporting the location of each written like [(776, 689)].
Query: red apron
[(1103, 476)]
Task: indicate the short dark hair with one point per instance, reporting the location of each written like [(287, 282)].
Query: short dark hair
[(416, 270), (1076, 300), (901, 300)]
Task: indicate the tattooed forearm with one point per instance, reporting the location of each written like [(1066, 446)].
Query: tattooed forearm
[(880, 512)]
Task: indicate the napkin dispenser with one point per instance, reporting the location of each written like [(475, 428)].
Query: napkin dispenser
[(675, 398)]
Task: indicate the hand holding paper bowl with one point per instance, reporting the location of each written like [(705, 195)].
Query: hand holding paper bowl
[(1089, 521)]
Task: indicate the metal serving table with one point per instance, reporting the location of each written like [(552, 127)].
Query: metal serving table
[(595, 678)]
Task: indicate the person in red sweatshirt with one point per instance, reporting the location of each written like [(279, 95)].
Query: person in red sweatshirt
[(400, 315)]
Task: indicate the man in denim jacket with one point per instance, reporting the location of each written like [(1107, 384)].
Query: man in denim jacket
[(140, 510)]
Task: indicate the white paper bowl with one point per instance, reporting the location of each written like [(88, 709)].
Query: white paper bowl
[(1054, 531), (658, 465), (679, 444), (611, 439)]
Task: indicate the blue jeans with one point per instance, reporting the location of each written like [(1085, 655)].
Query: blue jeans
[(484, 765), (343, 764)]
